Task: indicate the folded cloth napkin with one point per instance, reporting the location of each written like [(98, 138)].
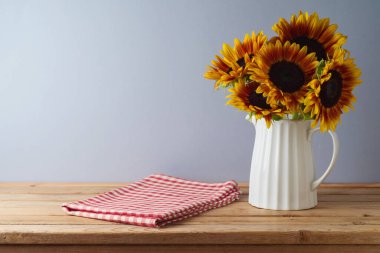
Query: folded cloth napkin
[(155, 201)]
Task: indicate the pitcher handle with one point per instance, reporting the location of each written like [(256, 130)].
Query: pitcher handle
[(334, 137)]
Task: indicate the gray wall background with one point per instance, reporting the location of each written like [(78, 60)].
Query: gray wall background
[(113, 90)]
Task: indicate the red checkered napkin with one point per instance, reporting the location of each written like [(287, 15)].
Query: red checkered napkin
[(155, 201)]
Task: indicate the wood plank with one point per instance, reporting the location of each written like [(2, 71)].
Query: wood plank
[(60, 198), (56, 190), (49, 188), (197, 220), (190, 234), (190, 248), (238, 204), (349, 191), (324, 209), (64, 184), (117, 184), (333, 198), (46, 197), (343, 191), (346, 214)]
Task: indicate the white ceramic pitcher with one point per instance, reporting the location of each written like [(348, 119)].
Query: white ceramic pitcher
[(282, 169)]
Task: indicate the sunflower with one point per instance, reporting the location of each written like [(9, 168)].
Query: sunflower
[(250, 47), (317, 34), (331, 94), (225, 71), (222, 72), (244, 97), (283, 70)]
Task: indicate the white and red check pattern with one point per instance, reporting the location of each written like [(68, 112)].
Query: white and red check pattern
[(155, 201)]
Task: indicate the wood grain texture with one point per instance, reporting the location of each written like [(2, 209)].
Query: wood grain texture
[(347, 219), (189, 248)]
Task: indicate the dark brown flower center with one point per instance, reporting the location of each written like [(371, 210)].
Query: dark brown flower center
[(287, 76), (257, 99), (241, 61), (312, 46), (331, 90)]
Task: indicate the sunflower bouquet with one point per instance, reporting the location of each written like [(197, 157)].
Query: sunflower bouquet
[(303, 73)]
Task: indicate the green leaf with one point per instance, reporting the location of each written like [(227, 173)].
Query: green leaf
[(307, 116), (276, 117), (295, 116), (319, 69)]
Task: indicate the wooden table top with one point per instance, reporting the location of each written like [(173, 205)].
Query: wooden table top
[(347, 214)]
